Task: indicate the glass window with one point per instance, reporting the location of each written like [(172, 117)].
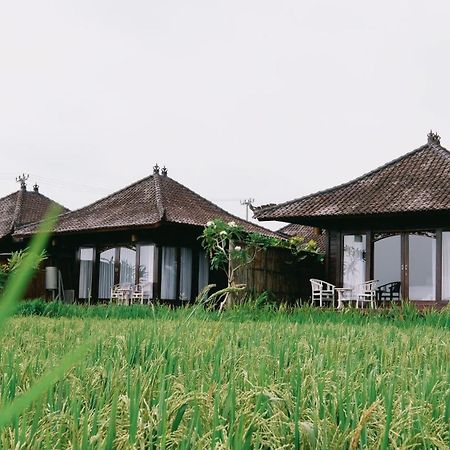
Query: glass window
[(387, 261), (446, 265), (106, 273), (422, 266), (354, 260), (168, 273), (185, 273), (87, 257), (146, 269), (127, 266), (203, 270)]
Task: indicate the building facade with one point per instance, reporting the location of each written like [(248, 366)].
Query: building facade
[(147, 233), (391, 224)]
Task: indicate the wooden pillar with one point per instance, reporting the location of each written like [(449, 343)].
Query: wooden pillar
[(117, 265), (138, 264), (96, 274), (405, 265), (369, 256)]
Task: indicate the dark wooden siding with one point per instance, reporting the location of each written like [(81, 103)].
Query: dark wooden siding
[(334, 258), (282, 274), (36, 288)]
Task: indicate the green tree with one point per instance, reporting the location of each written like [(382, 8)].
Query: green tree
[(230, 248), (15, 261)]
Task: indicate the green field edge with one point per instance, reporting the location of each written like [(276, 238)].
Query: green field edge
[(405, 316)]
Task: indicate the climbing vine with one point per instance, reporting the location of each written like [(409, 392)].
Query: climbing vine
[(230, 248)]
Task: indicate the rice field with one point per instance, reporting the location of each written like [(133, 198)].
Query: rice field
[(200, 381)]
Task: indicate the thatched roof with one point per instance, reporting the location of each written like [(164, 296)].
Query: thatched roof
[(147, 203), (306, 232), (21, 208), (416, 182)]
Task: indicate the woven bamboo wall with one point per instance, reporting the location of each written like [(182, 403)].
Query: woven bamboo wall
[(282, 274)]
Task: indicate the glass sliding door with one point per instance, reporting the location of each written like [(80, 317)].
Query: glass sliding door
[(185, 273), (422, 266), (147, 269), (87, 258), (169, 268), (127, 266), (354, 269), (106, 273), (387, 264), (446, 265)]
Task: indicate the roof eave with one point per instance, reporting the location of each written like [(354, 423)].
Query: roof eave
[(320, 220)]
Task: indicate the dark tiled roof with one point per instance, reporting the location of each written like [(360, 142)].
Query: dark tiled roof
[(417, 181), (146, 203), (21, 208), (309, 233)]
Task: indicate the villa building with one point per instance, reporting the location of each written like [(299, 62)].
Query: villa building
[(19, 209), (147, 233), (391, 224)]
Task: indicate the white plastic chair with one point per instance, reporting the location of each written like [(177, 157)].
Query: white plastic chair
[(368, 294), (322, 291)]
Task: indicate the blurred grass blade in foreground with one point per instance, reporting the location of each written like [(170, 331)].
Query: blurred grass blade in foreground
[(19, 280), (15, 289)]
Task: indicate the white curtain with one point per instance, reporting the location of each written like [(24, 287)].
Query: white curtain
[(446, 265), (106, 273), (185, 273), (203, 270), (354, 261), (127, 266), (86, 268), (146, 269), (168, 273)]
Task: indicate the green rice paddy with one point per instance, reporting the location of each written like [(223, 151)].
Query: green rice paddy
[(195, 380)]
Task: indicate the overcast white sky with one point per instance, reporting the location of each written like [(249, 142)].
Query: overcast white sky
[(265, 99)]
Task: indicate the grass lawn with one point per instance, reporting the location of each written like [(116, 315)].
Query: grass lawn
[(309, 379)]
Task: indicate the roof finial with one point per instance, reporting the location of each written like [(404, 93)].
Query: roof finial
[(22, 179), (36, 187), (164, 171), (433, 138), (156, 169)]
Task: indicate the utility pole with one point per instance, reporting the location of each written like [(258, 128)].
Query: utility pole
[(247, 202)]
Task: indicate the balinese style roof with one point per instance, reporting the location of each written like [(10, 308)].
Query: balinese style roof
[(306, 232), (21, 208), (416, 182), (148, 203)]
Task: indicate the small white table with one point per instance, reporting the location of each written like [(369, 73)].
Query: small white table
[(342, 296)]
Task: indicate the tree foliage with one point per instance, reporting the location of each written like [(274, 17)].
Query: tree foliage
[(230, 247), (14, 262)]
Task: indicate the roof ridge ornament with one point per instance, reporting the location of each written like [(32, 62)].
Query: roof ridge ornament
[(164, 171), (22, 179), (156, 169), (36, 187), (159, 199), (433, 138)]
